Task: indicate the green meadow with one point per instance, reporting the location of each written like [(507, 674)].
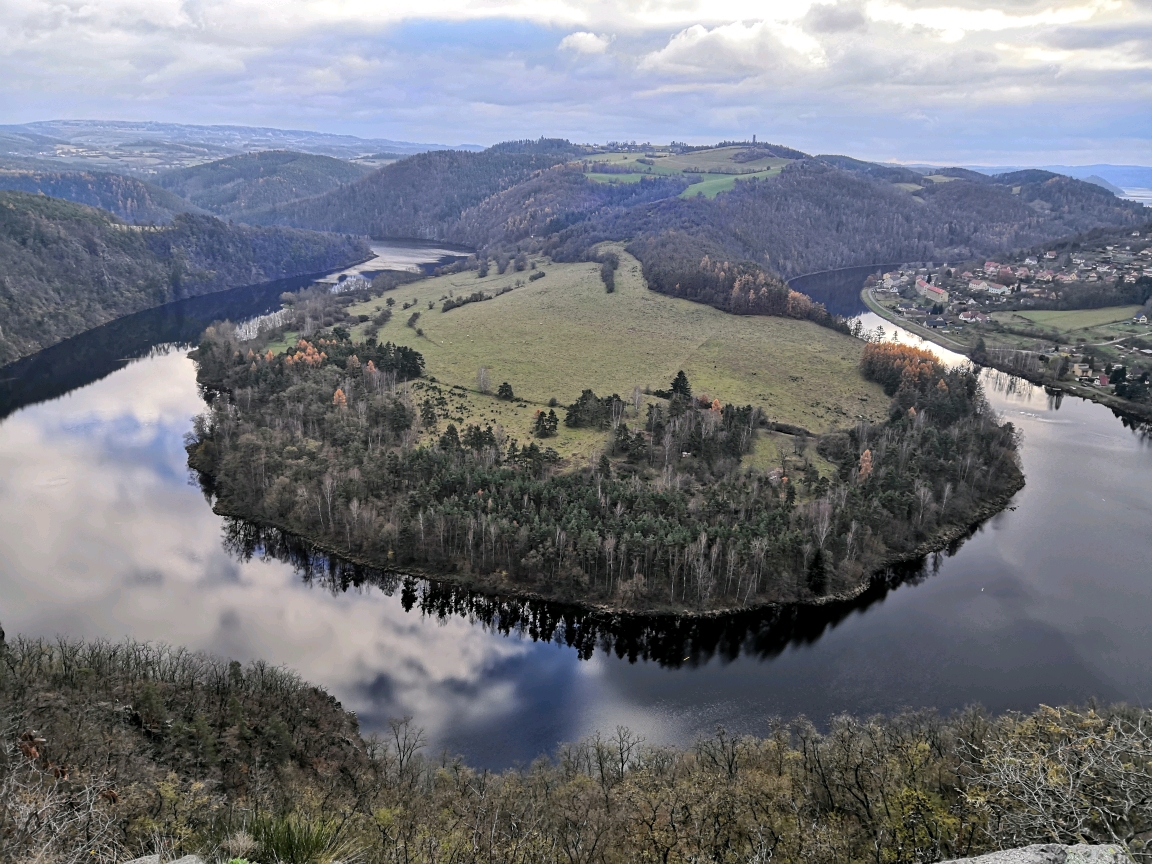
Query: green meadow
[(555, 336), (697, 166)]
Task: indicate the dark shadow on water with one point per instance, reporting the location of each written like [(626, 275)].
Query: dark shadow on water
[(99, 352), (670, 641), (839, 290)]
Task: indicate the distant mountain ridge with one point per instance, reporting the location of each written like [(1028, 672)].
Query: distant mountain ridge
[(237, 139), (1121, 176)]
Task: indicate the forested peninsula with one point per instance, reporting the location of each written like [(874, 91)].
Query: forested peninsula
[(338, 440), (67, 267)]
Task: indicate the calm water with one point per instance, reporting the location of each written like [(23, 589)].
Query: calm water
[(102, 534)]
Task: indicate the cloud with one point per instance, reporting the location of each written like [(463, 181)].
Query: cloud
[(584, 42), (484, 70), (953, 23), (835, 18), (733, 50)]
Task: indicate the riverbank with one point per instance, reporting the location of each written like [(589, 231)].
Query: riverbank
[(1123, 407)]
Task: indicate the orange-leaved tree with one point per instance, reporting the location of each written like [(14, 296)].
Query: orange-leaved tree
[(893, 366)]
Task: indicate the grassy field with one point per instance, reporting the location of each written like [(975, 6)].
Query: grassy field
[(717, 183), (1079, 319), (553, 337), (710, 185), (614, 178)]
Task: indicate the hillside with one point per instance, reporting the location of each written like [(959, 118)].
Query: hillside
[(230, 187), (755, 213), (126, 197), (130, 748), (416, 197), (67, 267)]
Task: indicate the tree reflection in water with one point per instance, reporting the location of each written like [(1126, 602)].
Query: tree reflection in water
[(669, 640)]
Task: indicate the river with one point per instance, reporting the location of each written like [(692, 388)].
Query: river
[(102, 534)]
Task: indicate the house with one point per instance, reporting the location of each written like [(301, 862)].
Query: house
[(978, 285), (1139, 318), (1050, 254), (936, 323), (999, 290), (927, 289), (1045, 275), (1030, 261), (1080, 370), (973, 316)]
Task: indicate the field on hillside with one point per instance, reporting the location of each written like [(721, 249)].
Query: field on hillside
[(715, 159), (713, 171), (553, 337), (1080, 319), (717, 183)]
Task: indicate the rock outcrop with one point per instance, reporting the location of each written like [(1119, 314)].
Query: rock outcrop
[(1052, 853)]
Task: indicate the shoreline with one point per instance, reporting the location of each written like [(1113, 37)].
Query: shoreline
[(1131, 410), (484, 586)]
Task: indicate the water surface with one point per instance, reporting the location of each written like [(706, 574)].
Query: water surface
[(102, 534)]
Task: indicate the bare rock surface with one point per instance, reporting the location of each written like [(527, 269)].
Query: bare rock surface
[(1051, 853)]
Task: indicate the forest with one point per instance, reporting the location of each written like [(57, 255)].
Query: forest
[(231, 187), (327, 440), (123, 748), (67, 268), (416, 197), (128, 198)]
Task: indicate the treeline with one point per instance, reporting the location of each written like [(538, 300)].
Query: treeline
[(234, 186), (65, 268), (675, 264), (116, 749), (126, 197), (668, 519)]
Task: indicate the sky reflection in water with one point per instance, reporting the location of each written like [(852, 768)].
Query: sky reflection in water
[(103, 535)]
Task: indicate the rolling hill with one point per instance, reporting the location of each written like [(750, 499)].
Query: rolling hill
[(233, 186), (416, 197), (125, 197)]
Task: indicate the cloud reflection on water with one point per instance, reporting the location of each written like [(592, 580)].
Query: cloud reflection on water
[(104, 536)]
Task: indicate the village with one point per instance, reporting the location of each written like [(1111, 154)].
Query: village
[(1077, 310)]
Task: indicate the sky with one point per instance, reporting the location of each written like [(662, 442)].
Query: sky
[(957, 81)]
